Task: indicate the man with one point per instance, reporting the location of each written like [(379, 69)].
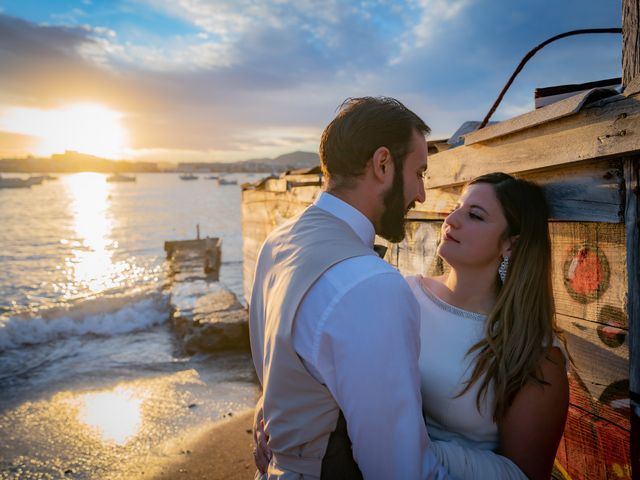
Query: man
[(334, 328)]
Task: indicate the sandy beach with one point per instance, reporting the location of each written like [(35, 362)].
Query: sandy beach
[(222, 451)]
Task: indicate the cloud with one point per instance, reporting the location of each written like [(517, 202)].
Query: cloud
[(277, 87), (264, 77), (72, 17), (15, 144), (433, 17)]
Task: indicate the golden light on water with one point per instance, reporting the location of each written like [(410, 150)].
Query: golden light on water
[(91, 264), (86, 127), (116, 415)]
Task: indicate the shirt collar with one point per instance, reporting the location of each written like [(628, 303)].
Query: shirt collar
[(348, 214)]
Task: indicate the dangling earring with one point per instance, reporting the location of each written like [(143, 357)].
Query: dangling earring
[(502, 270)]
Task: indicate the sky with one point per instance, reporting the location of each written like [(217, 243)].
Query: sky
[(228, 80)]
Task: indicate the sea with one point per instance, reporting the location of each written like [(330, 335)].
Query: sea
[(93, 384)]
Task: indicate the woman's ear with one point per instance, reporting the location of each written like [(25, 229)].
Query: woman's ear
[(509, 245)]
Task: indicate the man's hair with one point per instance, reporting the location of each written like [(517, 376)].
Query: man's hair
[(361, 126)]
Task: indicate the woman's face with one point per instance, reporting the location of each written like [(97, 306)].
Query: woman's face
[(472, 234)]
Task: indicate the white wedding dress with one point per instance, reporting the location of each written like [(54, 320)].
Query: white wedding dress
[(453, 422)]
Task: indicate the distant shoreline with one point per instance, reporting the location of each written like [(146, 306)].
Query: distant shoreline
[(109, 172), (75, 162)]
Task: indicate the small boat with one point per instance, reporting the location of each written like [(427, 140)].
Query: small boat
[(188, 176), (36, 179), (14, 183), (224, 181), (213, 177), (116, 177)]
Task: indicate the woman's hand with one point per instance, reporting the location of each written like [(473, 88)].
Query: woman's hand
[(533, 425), (261, 451)]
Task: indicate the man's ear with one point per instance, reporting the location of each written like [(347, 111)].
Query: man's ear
[(382, 164)]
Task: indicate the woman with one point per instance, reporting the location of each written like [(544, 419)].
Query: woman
[(493, 370)]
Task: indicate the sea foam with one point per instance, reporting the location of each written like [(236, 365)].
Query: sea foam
[(103, 316)]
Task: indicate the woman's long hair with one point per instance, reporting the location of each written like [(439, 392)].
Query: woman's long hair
[(522, 324)]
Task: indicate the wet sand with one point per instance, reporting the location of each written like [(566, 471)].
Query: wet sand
[(224, 451)]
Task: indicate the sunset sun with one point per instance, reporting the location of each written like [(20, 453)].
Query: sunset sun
[(88, 128)]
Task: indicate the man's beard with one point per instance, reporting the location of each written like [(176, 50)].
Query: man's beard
[(392, 223)]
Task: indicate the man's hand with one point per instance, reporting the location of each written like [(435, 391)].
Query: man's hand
[(261, 451)]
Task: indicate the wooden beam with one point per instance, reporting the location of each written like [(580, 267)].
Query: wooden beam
[(586, 191), (632, 220), (630, 41), (606, 128)]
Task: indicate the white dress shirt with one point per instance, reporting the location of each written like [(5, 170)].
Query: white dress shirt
[(357, 331)]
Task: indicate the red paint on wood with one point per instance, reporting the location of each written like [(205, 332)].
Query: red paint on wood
[(587, 273), (615, 407), (594, 447)]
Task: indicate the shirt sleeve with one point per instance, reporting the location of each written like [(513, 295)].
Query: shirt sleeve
[(367, 354), (471, 463)]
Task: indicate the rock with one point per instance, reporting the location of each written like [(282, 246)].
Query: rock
[(212, 322)]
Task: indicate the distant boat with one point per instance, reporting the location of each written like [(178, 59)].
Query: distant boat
[(36, 180), (116, 177), (188, 176), (14, 183), (212, 177), (224, 181)]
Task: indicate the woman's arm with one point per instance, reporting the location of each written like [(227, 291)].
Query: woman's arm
[(533, 425)]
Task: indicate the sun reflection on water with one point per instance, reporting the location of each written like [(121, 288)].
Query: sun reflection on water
[(116, 414), (91, 266)]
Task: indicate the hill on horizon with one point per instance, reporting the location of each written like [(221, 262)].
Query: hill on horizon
[(297, 159)]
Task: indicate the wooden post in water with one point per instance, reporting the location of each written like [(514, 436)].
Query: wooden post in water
[(631, 84)]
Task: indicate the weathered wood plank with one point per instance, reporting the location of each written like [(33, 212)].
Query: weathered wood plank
[(589, 271), (632, 219), (630, 41), (588, 191), (416, 254), (593, 449), (554, 111), (262, 211), (603, 129), (600, 367)]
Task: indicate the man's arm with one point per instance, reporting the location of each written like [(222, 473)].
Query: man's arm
[(367, 354)]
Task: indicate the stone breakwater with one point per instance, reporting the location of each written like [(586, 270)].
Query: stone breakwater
[(206, 316)]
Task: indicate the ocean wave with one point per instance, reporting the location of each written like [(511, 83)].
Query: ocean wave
[(102, 316)]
